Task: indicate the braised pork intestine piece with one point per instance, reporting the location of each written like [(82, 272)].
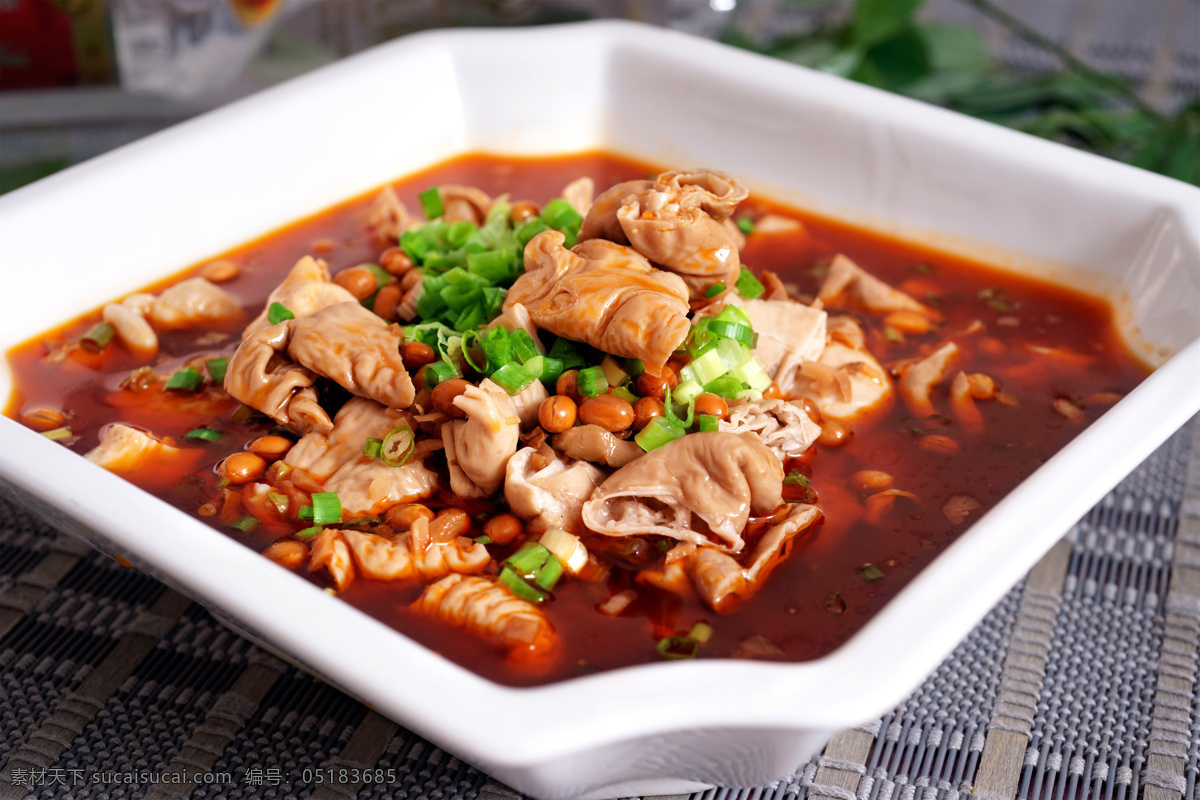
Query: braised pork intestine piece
[(700, 488), (193, 303), (527, 402), (128, 319), (415, 555), (678, 225), (388, 217), (515, 317), (322, 454), (549, 495), (593, 443), (464, 203), (260, 375), (330, 551), (846, 382), (124, 448), (782, 426), (478, 448), (579, 193), (850, 286), (605, 295), (918, 378), (306, 290), (366, 485), (962, 402), (352, 346), (490, 611), (723, 583), (601, 221)]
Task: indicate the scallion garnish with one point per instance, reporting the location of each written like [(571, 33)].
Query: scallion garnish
[(870, 573), (309, 533), (513, 378), (544, 368), (58, 434), (520, 587), (658, 431), (204, 434), (522, 345), (559, 214), (97, 337), (395, 449), (279, 501), (749, 286), (187, 379), (746, 225), (278, 312), (675, 648), (382, 276), (534, 564), (714, 290), (737, 331), (245, 523), (485, 539), (217, 368), (327, 508), (592, 382), (372, 447), (707, 422), (431, 203)]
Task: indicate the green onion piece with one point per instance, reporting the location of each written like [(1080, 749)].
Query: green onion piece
[(550, 572), (470, 339), (795, 478), (674, 648), (529, 559), (512, 378), (635, 367), (459, 232), (568, 352), (280, 501), (520, 587), (704, 369), (327, 508), (707, 422), (614, 372), (58, 434), (485, 539), (680, 422), (245, 523), (870, 573), (687, 391), (714, 290), (733, 313), (559, 214), (382, 276), (97, 337), (462, 295), (522, 345), (431, 203), (205, 434), (746, 225), (494, 266), (278, 312), (530, 229), (372, 447), (217, 368), (624, 394), (724, 386), (188, 379), (702, 632), (470, 318), (749, 286), (658, 432), (592, 382), (309, 533), (306, 513), (437, 372), (734, 330), (496, 347), (395, 449), (544, 368)]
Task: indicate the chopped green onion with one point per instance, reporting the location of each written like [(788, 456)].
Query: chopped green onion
[(674, 648), (704, 369), (217, 368), (327, 508), (870, 573), (550, 572), (278, 312), (431, 203), (459, 232), (469, 339), (485, 539), (592, 382), (306, 513), (497, 347), (680, 422), (245, 523), (544, 368), (529, 559), (749, 286), (658, 431), (746, 225), (624, 393), (280, 501), (520, 587), (512, 378), (395, 449), (372, 447), (687, 391), (724, 386), (707, 422), (97, 337), (559, 214), (614, 372), (206, 434), (530, 229), (188, 379), (470, 318), (568, 353), (734, 313), (492, 265), (734, 330), (58, 434), (382, 276), (635, 366), (714, 290), (522, 345), (702, 632), (440, 371), (309, 533)]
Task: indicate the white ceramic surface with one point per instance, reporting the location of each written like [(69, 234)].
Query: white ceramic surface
[(113, 224)]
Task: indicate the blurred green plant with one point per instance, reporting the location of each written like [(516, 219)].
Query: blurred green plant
[(883, 44)]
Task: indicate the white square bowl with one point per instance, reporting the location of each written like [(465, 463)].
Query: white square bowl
[(114, 224)]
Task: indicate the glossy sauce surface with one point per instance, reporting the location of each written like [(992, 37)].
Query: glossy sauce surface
[(823, 592)]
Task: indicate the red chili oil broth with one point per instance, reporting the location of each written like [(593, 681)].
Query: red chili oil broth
[(819, 595)]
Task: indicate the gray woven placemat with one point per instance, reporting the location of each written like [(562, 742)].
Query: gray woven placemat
[(1080, 683)]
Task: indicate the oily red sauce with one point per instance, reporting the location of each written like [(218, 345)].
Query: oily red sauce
[(817, 598)]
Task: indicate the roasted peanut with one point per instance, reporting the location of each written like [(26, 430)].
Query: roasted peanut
[(395, 261), (270, 447), (834, 433), (416, 355), (983, 386), (243, 467), (566, 384), (386, 300), (449, 524), (610, 412), (358, 281), (323, 246), (712, 405), (288, 553), (908, 322), (871, 480), (504, 528), (646, 409), (810, 408), (773, 392), (220, 271), (937, 443), (522, 211), (43, 418), (402, 517), (411, 279), (656, 386), (557, 413), (443, 396)]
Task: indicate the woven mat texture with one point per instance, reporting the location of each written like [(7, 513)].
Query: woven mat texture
[(1081, 683)]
